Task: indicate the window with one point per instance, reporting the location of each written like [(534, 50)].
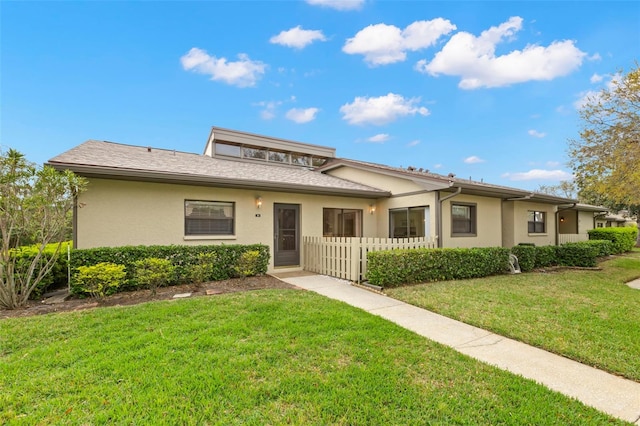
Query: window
[(230, 150), (409, 222), (536, 222), (342, 222), (208, 218), (463, 219), (599, 225)]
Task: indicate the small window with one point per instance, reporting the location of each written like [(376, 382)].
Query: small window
[(254, 153), (536, 222), (208, 218), (230, 150), (599, 225), (463, 220), (342, 222), (280, 157), (409, 222), (300, 160)]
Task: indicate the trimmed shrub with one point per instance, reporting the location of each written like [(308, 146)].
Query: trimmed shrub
[(98, 280), (623, 239), (248, 264), (153, 273), (546, 256), (526, 256), (204, 269), (581, 254), (605, 247), (184, 258), (395, 267)]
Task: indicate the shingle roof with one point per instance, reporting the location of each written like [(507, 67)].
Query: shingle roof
[(109, 159)]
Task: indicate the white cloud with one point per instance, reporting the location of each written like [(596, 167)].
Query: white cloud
[(413, 143), (595, 57), (474, 59), (553, 163), (596, 78), (437, 166), (379, 138), (385, 44), (269, 109), (380, 110), (242, 73), (592, 96), (297, 37), (338, 4), (302, 115), (473, 160), (536, 134), (535, 174)]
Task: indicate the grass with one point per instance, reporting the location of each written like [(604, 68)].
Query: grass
[(588, 316), (265, 357)]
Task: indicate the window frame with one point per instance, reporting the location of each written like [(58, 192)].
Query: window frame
[(223, 204), (473, 219), (534, 222), (341, 211), (393, 226)]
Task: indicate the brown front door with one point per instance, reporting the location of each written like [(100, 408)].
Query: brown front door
[(286, 247)]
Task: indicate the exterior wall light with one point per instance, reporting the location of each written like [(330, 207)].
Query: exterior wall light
[(372, 208), (561, 218), (258, 202)]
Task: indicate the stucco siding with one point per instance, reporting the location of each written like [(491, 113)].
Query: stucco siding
[(393, 184), (521, 233), (488, 223), (119, 213)]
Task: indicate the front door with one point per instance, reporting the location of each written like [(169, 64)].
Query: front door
[(286, 247)]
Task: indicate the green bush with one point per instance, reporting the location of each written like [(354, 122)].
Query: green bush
[(98, 280), (153, 272), (204, 269), (185, 259), (395, 267), (57, 277), (581, 254), (546, 256), (248, 264), (623, 239), (605, 247), (526, 257)]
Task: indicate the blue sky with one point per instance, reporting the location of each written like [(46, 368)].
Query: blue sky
[(486, 90)]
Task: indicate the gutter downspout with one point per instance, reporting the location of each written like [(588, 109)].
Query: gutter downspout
[(558, 223), (439, 212)]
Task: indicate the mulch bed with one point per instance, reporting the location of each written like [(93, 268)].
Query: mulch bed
[(39, 307)]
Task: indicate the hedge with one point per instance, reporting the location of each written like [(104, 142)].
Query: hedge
[(224, 260), (623, 239), (395, 267), (582, 254), (546, 256), (526, 257)]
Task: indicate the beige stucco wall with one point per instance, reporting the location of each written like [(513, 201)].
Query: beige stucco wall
[(516, 225), (585, 222), (488, 228), (118, 213), (394, 185)]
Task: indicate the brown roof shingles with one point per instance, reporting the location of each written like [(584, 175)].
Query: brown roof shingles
[(97, 158)]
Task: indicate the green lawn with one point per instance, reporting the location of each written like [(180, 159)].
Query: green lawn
[(265, 357), (589, 316)]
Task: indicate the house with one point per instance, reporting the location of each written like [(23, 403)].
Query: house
[(247, 188)]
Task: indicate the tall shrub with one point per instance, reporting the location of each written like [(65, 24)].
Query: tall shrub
[(526, 257), (623, 239)]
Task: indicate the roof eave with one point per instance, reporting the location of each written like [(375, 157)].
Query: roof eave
[(201, 180)]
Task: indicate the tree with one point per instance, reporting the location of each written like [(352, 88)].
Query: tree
[(34, 204), (606, 157), (565, 188)]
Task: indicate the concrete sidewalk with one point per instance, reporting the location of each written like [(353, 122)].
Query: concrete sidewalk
[(608, 393)]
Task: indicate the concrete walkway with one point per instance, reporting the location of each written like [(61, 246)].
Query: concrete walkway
[(608, 393)]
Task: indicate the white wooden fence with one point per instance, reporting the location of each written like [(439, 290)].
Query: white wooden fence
[(346, 257), (572, 238)]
